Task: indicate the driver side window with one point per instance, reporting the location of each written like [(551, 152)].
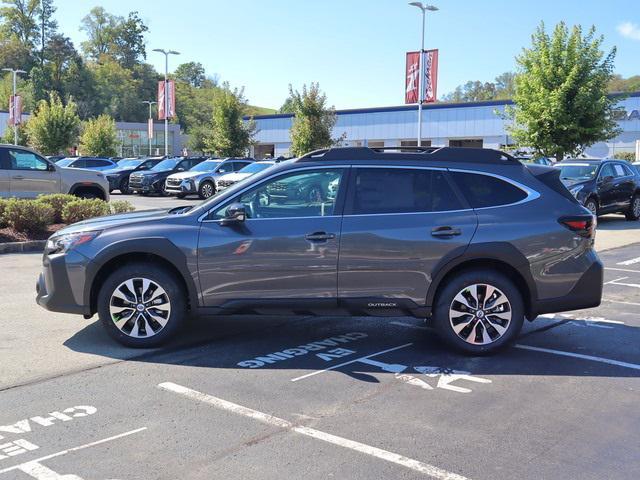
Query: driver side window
[(299, 194), (22, 160)]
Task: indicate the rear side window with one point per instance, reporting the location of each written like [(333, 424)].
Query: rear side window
[(486, 191), (398, 190)]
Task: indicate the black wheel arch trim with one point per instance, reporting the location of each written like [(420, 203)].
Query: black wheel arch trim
[(157, 246), (76, 186), (501, 252)]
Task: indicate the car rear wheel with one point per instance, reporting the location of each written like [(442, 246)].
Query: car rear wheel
[(206, 190), (592, 206), (141, 305), (479, 311), (634, 209)]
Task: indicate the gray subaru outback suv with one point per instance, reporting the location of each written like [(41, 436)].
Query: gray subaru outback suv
[(469, 239)]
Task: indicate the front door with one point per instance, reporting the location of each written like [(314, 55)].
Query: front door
[(399, 223), (31, 175), (287, 248)]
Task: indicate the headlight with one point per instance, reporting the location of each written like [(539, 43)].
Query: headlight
[(574, 191), (64, 243)]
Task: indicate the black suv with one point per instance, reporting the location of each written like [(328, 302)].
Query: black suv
[(118, 177), (153, 180), (468, 238), (603, 186)]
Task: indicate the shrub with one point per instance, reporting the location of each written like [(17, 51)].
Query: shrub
[(3, 205), (29, 216), (628, 156), (57, 201), (79, 210), (121, 206)]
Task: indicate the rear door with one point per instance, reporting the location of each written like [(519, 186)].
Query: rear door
[(607, 188), (399, 223), (625, 184), (30, 174)]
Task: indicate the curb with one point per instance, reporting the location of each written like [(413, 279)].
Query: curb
[(22, 247)]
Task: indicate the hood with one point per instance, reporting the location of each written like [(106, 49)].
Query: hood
[(185, 175), (235, 177), (571, 182), (101, 223), (151, 173), (115, 171)]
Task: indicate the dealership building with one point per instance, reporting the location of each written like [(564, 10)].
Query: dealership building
[(476, 124)]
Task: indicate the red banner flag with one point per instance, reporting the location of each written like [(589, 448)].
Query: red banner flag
[(150, 128), (412, 76), (171, 100), (430, 60), (15, 110)]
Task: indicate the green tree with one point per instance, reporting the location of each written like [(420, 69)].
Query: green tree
[(99, 137), (191, 73), (620, 84), (313, 121), (561, 102), (8, 137), (54, 126), (99, 26), (230, 136), (128, 40), (48, 26), (198, 139), (24, 88)]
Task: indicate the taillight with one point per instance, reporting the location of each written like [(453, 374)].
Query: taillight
[(583, 225)]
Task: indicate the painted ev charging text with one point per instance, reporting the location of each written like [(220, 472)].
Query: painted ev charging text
[(19, 446), (301, 350)]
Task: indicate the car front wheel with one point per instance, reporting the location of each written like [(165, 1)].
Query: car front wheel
[(592, 206), (141, 305), (206, 190), (124, 186), (479, 311)]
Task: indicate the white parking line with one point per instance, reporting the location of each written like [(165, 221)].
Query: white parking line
[(317, 372), (410, 325), (618, 282), (622, 269), (608, 361), (629, 262), (620, 301), (74, 449), (415, 465)]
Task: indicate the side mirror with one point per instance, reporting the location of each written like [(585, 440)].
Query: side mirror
[(50, 167), (236, 213), (180, 169)]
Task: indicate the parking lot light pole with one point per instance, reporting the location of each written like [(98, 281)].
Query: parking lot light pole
[(424, 8), (150, 103), (166, 97), (15, 73)]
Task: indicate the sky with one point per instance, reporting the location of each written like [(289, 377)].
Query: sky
[(355, 49)]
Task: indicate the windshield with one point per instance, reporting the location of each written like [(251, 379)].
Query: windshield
[(128, 163), (205, 166), (168, 164), (255, 167), (578, 171), (65, 162)]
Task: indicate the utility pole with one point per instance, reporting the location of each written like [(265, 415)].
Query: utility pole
[(15, 73), (150, 103), (166, 96), (424, 8)]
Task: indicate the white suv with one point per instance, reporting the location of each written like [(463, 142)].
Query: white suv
[(26, 174)]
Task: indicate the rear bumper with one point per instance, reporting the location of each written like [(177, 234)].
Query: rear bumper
[(586, 293)]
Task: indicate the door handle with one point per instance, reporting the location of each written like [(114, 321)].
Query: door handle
[(445, 232), (18, 177), (319, 236)]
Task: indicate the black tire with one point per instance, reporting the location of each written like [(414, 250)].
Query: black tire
[(161, 277), (207, 190), (633, 213), (592, 205), (124, 186), (89, 193), (457, 284)]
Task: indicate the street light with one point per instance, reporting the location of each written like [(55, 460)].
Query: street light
[(150, 103), (166, 97), (15, 73), (424, 8)]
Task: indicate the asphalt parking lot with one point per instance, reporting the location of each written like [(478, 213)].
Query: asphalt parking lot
[(307, 397)]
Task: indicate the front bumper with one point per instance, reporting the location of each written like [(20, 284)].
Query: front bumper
[(60, 285), (184, 188), (586, 293)]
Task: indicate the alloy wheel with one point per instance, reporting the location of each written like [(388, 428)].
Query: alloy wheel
[(480, 314), (139, 307), (592, 207), (636, 207), (207, 190)]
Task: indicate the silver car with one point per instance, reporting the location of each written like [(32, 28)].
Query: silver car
[(201, 179), (26, 174)]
